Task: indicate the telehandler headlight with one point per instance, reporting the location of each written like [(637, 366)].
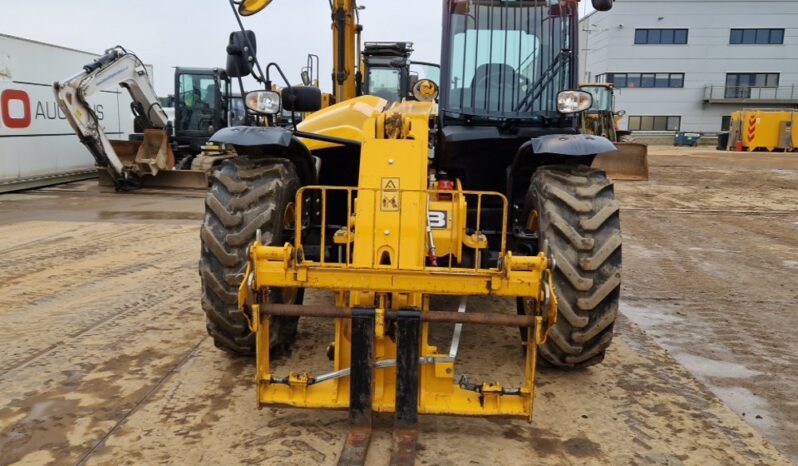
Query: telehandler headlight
[(263, 102), (574, 101)]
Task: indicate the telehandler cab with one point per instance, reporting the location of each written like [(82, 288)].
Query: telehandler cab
[(483, 190)]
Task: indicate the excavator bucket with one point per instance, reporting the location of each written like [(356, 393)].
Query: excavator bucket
[(153, 160), (154, 154), (629, 162)]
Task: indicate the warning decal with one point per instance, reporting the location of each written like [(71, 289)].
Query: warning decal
[(390, 195)]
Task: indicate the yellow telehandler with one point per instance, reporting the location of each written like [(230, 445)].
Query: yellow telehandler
[(479, 185)]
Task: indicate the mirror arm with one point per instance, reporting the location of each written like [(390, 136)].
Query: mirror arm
[(249, 44), (287, 86)]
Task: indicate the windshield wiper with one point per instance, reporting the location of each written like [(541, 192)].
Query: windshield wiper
[(562, 59)]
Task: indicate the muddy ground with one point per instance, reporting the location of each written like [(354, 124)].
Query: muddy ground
[(105, 359)]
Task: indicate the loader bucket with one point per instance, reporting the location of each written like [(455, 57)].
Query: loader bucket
[(629, 162)]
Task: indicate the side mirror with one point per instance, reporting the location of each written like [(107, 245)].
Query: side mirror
[(305, 77), (239, 56), (602, 5), (302, 99)]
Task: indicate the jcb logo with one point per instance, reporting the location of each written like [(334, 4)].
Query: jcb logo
[(15, 109)]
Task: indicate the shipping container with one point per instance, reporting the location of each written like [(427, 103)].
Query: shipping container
[(37, 145)]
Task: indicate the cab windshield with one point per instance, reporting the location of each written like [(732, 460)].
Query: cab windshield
[(507, 58), (196, 102), (386, 83), (602, 98)]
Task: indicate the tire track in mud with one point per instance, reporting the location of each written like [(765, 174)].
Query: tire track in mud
[(710, 285), (125, 310), (15, 268), (83, 388), (87, 288), (35, 238), (155, 387), (731, 212)]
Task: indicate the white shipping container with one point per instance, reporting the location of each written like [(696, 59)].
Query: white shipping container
[(37, 145)]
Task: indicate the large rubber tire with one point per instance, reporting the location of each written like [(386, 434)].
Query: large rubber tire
[(244, 197), (579, 225)]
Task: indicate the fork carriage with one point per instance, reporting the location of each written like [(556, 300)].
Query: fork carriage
[(401, 243)]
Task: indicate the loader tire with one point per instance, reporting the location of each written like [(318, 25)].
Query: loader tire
[(578, 224), (244, 197)]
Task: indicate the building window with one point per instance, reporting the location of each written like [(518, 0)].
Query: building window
[(757, 36), (660, 36), (644, 80), (654, 123), (739, 85)]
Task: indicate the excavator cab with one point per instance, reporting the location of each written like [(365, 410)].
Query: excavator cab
[(202, 105), (387, 70)]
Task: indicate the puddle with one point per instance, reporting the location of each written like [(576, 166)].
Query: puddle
[(705, 367), (724, 251), (148, 215), (642, 252), (677, 334), (754, 409), (791, 264), (648, 317)]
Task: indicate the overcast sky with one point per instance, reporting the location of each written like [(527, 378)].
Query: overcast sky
[(169, 33)]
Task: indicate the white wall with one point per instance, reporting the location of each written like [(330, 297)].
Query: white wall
[(705, 60)]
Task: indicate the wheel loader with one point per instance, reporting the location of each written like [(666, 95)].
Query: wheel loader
[(630, 160), (479, 185)]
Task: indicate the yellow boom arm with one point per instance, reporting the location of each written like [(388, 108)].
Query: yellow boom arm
[(346, 43)]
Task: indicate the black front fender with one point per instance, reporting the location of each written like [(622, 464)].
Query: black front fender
[(569, 145), (272, 141), (250, 136), (552, 149)]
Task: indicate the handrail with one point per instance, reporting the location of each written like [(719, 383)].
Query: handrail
[(787, 93)]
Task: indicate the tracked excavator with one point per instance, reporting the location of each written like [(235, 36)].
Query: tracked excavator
[(478, 185), (163, 155)]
